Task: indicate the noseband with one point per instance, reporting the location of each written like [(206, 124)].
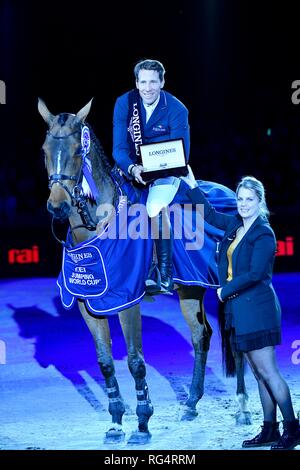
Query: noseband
[(78, 199)]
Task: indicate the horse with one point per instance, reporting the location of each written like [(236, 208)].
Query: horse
[(73, 158)]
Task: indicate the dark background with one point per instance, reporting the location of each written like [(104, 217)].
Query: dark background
[(231, 62)]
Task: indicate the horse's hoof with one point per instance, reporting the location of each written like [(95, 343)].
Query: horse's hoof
[(138, 437), (243, 417), (188, 414), (114, 435)]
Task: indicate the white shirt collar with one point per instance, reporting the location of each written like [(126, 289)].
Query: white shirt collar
[(152, 105), (150, 108)]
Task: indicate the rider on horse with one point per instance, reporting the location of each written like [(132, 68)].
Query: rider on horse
[(141, 116)]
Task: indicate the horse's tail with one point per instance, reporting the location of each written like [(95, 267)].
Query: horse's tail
[(228, 362)]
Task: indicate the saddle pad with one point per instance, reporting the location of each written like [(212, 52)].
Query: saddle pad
[(84, 272), (109, 271)]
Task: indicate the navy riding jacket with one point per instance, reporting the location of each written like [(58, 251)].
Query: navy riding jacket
[(169, 120)]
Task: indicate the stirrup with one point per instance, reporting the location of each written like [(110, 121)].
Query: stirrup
[(156, 287)]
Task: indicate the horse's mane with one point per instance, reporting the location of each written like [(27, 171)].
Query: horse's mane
[(104, 168), (101, 165)]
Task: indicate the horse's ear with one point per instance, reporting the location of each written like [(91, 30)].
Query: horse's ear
[(82, 114), (44, 112)]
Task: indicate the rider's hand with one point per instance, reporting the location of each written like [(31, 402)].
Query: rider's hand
[(136, 172)]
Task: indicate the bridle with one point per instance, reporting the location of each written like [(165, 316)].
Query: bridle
[(78, 199), (60, 177)]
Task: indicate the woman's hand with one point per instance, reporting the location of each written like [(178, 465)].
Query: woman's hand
[(190, 178)]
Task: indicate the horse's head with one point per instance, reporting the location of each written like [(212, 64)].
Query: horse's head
[(63, 157)]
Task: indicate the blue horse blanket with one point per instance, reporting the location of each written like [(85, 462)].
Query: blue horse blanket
[(108, 272)]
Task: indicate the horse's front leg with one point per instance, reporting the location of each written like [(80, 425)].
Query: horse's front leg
[(191, 303), (243, 415), (99, 329), (130, 320)]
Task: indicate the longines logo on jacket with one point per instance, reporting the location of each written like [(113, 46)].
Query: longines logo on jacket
[(159, 128), (134, 128)]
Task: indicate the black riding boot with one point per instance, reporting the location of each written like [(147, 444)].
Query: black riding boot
[(164, 251), (290, 437), (269, 435)]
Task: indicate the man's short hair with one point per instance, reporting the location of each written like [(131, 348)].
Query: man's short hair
[(149, 64)]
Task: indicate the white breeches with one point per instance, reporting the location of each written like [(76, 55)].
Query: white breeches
[(161, 193), (163, 190)]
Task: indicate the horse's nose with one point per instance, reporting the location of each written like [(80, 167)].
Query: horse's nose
[(59, 212)]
